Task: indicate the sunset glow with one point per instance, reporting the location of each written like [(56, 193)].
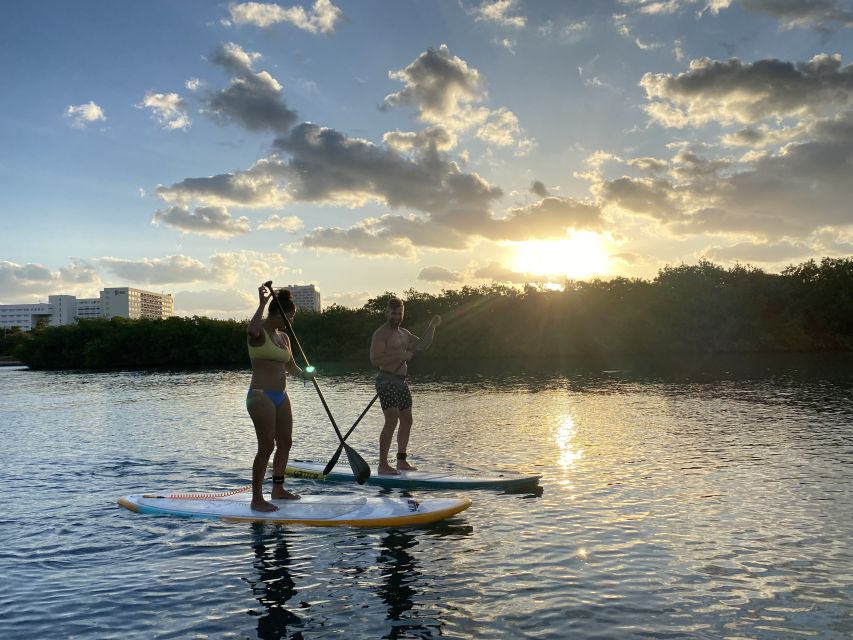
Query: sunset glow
[(579, 256)]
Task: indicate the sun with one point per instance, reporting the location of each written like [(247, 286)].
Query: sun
[(578, 256)]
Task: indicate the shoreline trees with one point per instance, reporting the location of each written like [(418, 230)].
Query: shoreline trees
[(686, 309)]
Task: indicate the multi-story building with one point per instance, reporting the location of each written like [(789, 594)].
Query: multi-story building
[(306, 297), (127, 302), (25, 316), (124, 302), (88, 308)]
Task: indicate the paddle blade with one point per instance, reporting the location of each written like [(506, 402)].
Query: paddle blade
[(328, 469), (359, 467)]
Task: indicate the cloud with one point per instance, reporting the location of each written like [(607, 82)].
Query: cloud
[(746, 93), (168, 109), (253, 100), (224, 268), (21, 283), (291, 224), (214, 221), (391, 235), (539, 189), (439, 274), (761, 252), (441, 86), (259, 186), (444, 89), (548, 218), (429, 140), (327, 166), (321, 165), (351, 299), (804, 13), (501, 129), (820, 14), (169, 270), (498, 273), (799, 189), (496, 11), (358, 240), (216, 303), (569, 33), (657, 7), (321, 18), (82, 115)]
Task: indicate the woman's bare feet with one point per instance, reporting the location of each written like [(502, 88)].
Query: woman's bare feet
[(402, 465), (262, 505), (387, 470), (280, 493)]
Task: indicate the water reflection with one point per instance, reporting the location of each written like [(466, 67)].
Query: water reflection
[(399, 571), (275, 586), (566, 434)]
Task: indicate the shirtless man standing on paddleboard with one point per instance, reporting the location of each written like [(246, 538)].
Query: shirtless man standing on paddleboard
[(391, 348)]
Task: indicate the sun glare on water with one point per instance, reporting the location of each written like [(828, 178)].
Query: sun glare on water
[(578, 256)]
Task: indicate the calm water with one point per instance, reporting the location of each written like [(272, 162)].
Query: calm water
[(697, 500)]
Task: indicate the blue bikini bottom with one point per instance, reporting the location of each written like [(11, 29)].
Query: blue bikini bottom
[(277, 397)]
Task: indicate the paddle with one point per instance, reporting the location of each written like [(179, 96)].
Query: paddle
[(334, 460), (359, 467)]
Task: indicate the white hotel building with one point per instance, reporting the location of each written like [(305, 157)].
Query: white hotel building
[(306, 297), (123, 302)]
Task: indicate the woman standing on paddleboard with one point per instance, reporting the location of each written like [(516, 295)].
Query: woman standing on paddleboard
[(267, 401)]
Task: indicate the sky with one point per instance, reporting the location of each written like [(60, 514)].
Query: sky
[(200, 148)]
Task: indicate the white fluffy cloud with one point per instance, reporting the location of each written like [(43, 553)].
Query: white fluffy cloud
[(169, 109), (82, 115), (497, 11), (320, 19), (290, 224)]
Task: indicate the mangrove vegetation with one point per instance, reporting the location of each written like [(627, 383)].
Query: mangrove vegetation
[(686, 309)]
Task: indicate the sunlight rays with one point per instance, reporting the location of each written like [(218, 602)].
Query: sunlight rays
[(580, 255)]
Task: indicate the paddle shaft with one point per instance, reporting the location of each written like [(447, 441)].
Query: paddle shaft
[(334, 459), (268, 285)]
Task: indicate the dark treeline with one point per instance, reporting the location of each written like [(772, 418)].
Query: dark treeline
[(700, 308)]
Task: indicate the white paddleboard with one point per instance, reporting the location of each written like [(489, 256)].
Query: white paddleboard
[(416, 479), (313, 510)]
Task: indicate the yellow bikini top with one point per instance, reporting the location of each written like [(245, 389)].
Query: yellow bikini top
[(269, 350)]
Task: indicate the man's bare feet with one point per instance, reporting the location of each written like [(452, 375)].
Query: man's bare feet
[(280, 493), (387, 470), (262, 505), (402, 465)]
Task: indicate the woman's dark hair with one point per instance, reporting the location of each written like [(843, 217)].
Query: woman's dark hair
[(285, 300)]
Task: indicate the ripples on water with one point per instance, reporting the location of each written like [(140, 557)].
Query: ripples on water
[(690, 501)]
